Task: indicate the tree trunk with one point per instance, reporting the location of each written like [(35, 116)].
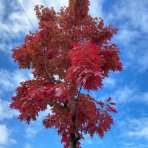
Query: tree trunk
[(73, 141)]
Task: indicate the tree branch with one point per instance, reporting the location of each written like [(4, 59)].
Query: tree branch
[(46, 69)]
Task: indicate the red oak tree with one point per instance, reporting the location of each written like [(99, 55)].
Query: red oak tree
[(70, 51)]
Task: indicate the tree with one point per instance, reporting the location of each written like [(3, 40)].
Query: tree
[(69, 52)]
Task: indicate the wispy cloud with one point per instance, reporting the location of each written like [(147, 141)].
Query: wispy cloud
[(27, 145), (135, 127), (132, 20), (126, 36), (2, 8), (17, 23), (96, 8), (143, 62), (22, 17), (31, 132), (109, 82), (133, 145), (132, 13), (128, 94), (5, 111), (11, 79), (124, 94), (141, 133), (5, 138), (133, 132)]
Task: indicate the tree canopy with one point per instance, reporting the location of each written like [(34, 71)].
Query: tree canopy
[(69, 52)]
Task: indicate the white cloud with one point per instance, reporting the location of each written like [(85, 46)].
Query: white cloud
[(56, 4), (126, 36), (145, 96), (130, 93), (109, 82), (124, 94), (11, 79), (132, 20), (2, 8), (143, 62), (5, 136), (17, 23), (27, 145), (134, 45), (142, 133), (137, 128), (96, 8), (5, 111), (132, 12), (31, 132), (5, 83), (21, 21), (133, 145)]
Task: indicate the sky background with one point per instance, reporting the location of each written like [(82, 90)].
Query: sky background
[(128, 88)]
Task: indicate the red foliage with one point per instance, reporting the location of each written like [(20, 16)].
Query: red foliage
[(86, 66), (69, 51)]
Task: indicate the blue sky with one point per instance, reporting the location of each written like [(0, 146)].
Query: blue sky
[(128, 88)]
